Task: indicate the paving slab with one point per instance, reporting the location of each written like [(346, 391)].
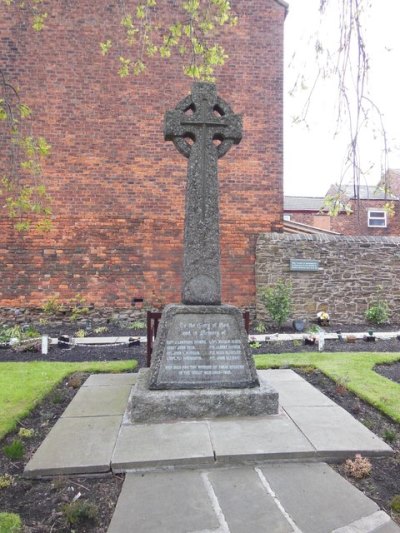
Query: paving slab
[(390, 527), (148, 445), (300, 393), (75, 446), (258, 438), (278, 498), (176, 502), (377, 522), (317, 499), (107, 380), (99, 401), (333, 431), (278, 375), (245, 504)]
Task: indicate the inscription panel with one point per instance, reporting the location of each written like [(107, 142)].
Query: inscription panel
[(204, 350)]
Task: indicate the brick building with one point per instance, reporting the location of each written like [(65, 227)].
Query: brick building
[(374, 213), (117, 187)]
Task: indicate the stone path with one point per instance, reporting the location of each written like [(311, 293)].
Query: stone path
[(223, 475), (271, 498)]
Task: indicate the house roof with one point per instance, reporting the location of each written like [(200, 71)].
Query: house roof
[(365, 192), (302, 203), (297, 227)]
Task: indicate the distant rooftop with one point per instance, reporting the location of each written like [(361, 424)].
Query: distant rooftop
[(365, 192), (302, 203)]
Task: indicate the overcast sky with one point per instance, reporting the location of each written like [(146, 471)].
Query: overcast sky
[(313, 158)]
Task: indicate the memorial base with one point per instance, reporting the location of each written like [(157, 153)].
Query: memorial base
[(152, 406), (202, 347)]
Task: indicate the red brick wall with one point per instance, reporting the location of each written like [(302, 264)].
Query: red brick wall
[(117, 187), (357, 222)]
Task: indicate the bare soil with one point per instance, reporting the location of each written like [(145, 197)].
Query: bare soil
[(41, 503)]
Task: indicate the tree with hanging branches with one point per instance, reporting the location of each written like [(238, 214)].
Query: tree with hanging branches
[(344, 58)]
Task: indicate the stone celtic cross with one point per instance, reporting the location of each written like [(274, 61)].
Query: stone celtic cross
[(203, 128)]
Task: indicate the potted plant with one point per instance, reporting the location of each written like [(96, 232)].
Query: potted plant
[(323, 318)]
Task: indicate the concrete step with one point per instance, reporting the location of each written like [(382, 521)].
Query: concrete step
[(93, 436)]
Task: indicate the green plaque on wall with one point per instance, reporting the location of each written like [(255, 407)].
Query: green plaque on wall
[(304, 265)]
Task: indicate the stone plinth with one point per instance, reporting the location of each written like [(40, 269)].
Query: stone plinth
[(202, 346), (147, 405)]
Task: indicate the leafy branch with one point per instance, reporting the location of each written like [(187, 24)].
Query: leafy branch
[(191, 35), (27, 204), (34, 10)]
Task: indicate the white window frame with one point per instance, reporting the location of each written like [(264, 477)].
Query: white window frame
[(377, 215), (287, 217)]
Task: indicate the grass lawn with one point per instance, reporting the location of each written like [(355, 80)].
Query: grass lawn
[(24, 385), (353, 370)]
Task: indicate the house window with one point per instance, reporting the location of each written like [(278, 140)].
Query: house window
[(377, 218), (288, 218)]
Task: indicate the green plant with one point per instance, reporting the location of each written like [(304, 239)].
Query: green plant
[(378, 312), (297, 342), (80, 333), (26, 433), (79, 307), (52, 306), (10, 523), (6, 481), (79, 512), (137, 325), (359, 468), (395, 503), (255, 345), (15, 450), (100, 329), (260, 327), (16, 332), (277, 300), (389, 435)]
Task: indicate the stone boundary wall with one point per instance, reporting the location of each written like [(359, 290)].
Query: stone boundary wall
[(354, 272)]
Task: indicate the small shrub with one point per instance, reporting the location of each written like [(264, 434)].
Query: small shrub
[(378, 313), (79, 512), (389, 435), (359, 468), (101, 329), (52, 306), (80, 333), (277, 300), (26, 433), (79, 307), (15, 450), (6, 481), (57, 397), (260, 328), (255, 345), (395, 503), (75, 381), (341, 385), (296, 343), (10, 523), (137, 325)]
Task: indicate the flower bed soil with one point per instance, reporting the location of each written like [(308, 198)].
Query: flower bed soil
[(40, 502)]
